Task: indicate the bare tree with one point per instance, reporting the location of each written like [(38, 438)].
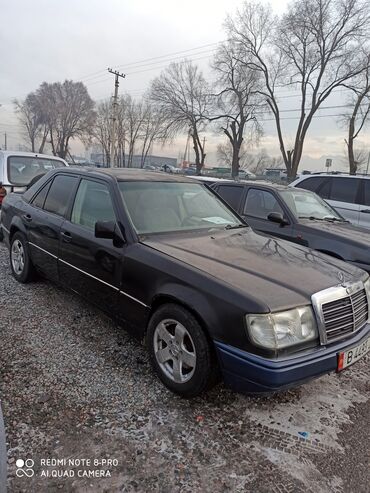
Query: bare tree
[(68, 112), (152, 129), (183, 98), (313, 47), (237, 100), (102, 129), (32, 122), (358, 117)]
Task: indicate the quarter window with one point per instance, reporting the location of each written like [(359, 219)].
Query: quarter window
[(93, 203), (344, 189), (39, 200), (260, 204), (60, 194), (231, 194)]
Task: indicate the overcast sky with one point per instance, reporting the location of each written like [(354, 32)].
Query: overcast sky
[(50, 40)]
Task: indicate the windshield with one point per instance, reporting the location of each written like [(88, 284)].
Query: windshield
[(22, 169), (160, 207), (308, 205)]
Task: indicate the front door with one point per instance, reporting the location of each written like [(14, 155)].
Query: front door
[(88, 265), (258, 205)]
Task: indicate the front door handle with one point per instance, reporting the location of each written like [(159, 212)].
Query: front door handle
[(366, 211), (27, 217), (66, 236)]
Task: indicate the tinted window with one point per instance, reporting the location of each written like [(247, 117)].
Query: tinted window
[(22, 169), (39, 200), (60, 194), (231, 194), (366, 192), (344, 189), (92, 203), (260, 203), (312, 183)]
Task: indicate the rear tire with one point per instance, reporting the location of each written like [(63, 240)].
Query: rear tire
[(180, 352), (20, 261)]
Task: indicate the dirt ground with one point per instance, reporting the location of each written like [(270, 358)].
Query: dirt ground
[(77, 389)]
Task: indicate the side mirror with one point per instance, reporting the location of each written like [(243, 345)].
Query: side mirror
[(277, 217), (110, 231)]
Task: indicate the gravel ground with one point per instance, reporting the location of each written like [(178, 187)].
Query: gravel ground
[(76, 386)]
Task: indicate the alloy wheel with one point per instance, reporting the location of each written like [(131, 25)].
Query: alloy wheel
[(174, 350), (17, 257)]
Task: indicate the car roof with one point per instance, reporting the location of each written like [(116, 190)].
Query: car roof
[(127, 174), (333, 175), (261, 183), (29, 154)]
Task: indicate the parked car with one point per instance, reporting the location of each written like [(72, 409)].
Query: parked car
[(349, 195), (299, 216), (168, 259), (17, 169)]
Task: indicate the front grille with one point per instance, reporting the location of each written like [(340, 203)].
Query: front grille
[(345, 315)]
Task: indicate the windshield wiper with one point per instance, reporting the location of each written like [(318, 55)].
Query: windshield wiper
[(236, 226), (325, 218)]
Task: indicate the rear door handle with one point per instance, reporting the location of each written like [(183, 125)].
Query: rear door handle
[(27, 217), (366, 211), (66, 236)]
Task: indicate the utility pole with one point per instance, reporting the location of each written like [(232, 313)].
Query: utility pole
[(5, 141), (114, 113)]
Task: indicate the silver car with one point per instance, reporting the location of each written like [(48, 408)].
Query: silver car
[(349, 195)]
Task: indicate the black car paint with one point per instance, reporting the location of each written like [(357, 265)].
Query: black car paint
[(220, 275), (342, 240)]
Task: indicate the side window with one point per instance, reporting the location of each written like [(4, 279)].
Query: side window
[(60, 194), (312, 183), (39, 199), (344, 189), (366, 192), (260, 203), (92, 203), (231, 194)]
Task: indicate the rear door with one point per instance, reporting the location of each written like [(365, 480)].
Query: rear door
[(364, 217), (88, 265), (44, 219), (344, 197)]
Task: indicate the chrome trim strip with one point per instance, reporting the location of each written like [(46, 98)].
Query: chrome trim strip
[(45, 251), (132, 298), (109, 285), (90, 275)]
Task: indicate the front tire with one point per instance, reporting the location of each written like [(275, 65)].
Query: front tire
[(180, 352), (20, 261)]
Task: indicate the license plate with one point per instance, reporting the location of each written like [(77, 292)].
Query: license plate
[(347, 358)]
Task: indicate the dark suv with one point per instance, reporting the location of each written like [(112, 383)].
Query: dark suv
[(172, 262)]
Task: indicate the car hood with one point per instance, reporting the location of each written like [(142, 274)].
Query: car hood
[(344, 231), (274, 271)]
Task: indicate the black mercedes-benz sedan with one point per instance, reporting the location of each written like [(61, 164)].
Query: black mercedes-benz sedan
[(169, 260), (300, 216)]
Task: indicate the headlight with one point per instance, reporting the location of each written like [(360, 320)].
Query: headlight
[(367, 289), (283, 329)]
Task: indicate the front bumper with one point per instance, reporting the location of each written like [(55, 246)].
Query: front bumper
[(249, 373)]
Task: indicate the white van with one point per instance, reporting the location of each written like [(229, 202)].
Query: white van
[(18, 169), (348, 194)]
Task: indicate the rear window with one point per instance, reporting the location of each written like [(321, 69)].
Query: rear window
[(367, 192), (312, 183), (231, 194), (22, 169), (60, 194), (344, 189)]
